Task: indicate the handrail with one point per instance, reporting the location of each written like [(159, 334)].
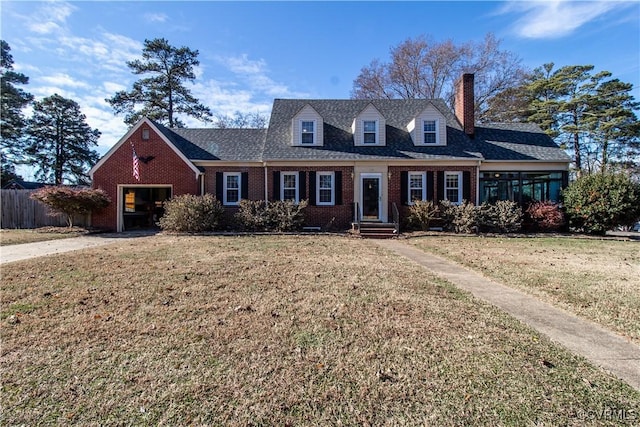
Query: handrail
[(396, 218)]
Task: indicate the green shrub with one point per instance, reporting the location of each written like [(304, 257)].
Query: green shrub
[(462, 218), (600, 202), (545, 216), (192, 214), (421, 213), (503, 216), (71, 201), (273, 216)]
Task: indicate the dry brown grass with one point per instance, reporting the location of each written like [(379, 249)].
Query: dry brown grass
[(594, 278), (275, 330), (19, 236)]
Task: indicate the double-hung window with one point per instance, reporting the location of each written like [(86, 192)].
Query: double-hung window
[(430, 132), (307, 132), (453, 186), (289, 186), (231, 188), (369, 128), (417, 186), (325, 188)]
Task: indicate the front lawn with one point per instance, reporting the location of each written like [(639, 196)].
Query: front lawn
[(593, 278), (276, 330), (19, 236)]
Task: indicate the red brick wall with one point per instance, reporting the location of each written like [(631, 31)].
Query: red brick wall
[(165, 168), (337, 217), (256, 187), (395, 183), (465, 103)]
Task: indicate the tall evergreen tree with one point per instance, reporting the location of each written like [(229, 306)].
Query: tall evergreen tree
[(163, 94), (60, 142), (13, 101), (590, 114)]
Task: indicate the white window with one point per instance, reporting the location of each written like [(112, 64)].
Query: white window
[(453, 187), (289, 186), (307, 132), (430, 129), (325, 188), (369, 129), (417, 186), (231, 188), (145, 133)]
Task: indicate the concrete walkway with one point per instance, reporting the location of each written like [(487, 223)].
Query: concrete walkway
[(600, 346), (14, 253)]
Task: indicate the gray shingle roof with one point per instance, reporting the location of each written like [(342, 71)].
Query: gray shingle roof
[(217, 144), (506, 141)]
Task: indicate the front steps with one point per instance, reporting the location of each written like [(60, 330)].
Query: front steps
[(376, 230)]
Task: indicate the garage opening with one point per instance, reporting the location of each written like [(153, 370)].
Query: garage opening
[(143, 206)]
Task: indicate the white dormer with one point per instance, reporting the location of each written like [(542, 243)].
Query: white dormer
[(307, 128), (369, 128), (429, 128)]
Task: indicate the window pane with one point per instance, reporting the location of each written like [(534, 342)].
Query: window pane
[(452, 195), (452, 181), (233, 196), (289, 181), (325, 196), (369, 126), (369, 138), (307, 127), (307, 138), (429, 138), (325, 182), (416, 194), (232, 181), (289, 194), (429, 125), (415, 181)]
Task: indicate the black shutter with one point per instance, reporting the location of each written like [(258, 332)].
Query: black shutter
[(430, 186), (440, 186), (312, 188), (338, 184), (276, 185), (404, 187), (244, 192), (302, 185), (466, 186), (219, 185)]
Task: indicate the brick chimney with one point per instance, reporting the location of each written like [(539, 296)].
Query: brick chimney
[(464, 103)]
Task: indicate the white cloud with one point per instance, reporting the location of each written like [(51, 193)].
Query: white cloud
[(155, 17), (254, 74), (64, 80), (49, 18), (556, 18)]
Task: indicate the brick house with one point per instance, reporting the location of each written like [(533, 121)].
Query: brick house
[(348, 158)]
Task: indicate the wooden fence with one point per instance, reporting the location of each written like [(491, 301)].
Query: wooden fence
[(20, 211)]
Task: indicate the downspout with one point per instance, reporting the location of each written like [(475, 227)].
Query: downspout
[(201, 176), (478, 183), (266, 186)]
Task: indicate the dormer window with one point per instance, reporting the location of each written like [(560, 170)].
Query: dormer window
[(369, 129), (307, 132), (430, 132)]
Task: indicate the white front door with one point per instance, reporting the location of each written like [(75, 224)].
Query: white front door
[(371, 196)]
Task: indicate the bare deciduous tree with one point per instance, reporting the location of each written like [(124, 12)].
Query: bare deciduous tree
[(425, 68)]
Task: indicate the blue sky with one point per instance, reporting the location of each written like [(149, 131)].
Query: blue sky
[(253, 52)]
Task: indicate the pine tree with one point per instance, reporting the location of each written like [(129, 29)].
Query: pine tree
[(162, 94), (60, 142), (14, 100)]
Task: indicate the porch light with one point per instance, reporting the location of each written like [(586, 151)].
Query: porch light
[(389, 175)]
